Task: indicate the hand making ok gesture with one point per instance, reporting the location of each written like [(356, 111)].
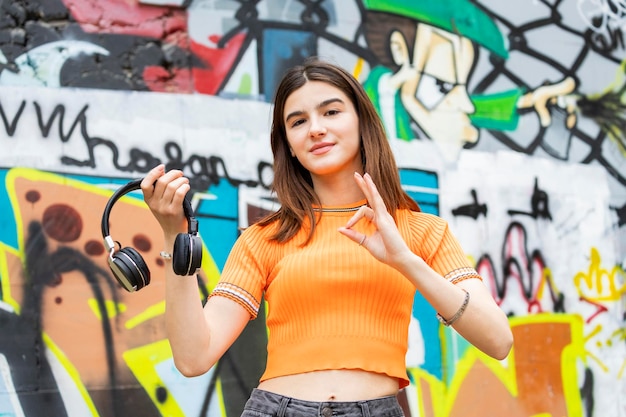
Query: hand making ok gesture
[(385, 244)]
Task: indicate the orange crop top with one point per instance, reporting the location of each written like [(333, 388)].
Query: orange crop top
[(331, 304)]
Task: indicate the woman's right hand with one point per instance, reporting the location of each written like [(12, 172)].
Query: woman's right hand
[(198, 336), (164, 192)]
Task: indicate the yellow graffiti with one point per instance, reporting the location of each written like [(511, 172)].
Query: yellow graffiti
[(5, 282), (620, 334), (611, 99), (571, 354), (546, 279), (505, 374), (601, 283), (143, 362), (73, 374), (594, 332), (112, 308), (358, 68), (426, 386), (151, 312), (209, 267), (515, 375), (36, 175)]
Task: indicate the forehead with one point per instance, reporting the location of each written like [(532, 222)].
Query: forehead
[(312, 94)]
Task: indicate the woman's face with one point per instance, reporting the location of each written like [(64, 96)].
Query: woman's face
[(322, 129)]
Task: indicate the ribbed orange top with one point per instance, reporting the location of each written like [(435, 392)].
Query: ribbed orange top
[(331, 304)]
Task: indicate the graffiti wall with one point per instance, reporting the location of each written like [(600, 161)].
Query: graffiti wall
[(507, 119)]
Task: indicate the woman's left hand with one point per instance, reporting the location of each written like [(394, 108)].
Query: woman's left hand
[(386, 243)]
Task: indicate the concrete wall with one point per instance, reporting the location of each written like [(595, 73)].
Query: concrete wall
[(93, 93)]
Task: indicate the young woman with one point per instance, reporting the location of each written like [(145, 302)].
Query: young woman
[(338, 263)]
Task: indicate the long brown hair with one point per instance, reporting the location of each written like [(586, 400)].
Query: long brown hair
[(292, 182)]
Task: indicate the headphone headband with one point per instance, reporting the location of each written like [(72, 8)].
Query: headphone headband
[(192, 223), (127, 265)]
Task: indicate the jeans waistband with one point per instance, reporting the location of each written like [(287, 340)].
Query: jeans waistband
[(268, 403)]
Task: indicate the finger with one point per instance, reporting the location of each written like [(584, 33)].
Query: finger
[(163, 182), (362, 212), (564, 87), (147, 184), (362, 185), (182, 188), (571, 106), (176, 189), (567, 86), (543, 113), (368, 187), (375, 200), (353, 235)]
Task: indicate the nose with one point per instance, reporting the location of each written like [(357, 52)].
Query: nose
[(317, 128), (461, 99)]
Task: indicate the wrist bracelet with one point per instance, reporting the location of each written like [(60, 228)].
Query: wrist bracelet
[(165, 255), (458, 314)]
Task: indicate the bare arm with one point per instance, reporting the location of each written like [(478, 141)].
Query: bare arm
[(198, 336), (482, 323)]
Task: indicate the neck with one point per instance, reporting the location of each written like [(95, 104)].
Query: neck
[(337, 191), (340, 197)]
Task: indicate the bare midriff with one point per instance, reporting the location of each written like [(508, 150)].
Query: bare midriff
[(333, 385)]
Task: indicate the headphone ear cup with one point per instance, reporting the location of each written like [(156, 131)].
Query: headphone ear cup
[(187, 255), (130, 269), (196, 253), (180, 257)]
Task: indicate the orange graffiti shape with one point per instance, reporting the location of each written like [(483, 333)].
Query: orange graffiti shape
[(84, 312), (541, 386)]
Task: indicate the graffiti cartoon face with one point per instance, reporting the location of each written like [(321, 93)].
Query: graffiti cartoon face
[(433, 85)]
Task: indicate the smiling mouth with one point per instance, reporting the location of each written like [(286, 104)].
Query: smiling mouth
[(322, 148)]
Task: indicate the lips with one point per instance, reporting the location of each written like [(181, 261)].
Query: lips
[(321, 148)]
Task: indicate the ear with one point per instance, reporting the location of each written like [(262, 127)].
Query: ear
[(293, 154), (399, 49)]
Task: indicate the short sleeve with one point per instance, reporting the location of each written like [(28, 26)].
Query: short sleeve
[(433, 240), (245, 271)]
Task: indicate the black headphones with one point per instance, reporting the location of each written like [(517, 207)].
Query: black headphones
[(128, 266)]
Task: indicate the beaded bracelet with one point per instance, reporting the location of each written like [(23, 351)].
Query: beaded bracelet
[(458, 314)]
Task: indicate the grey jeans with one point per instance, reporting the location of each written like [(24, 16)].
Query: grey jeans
[(265, 404)]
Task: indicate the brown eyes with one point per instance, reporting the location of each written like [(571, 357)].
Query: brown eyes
[(297, 122)]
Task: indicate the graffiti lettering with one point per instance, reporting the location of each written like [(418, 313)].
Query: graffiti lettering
[(206, 171), (59, 110), (604, 19), (473, 209), (539, 204), (610, 40), (203, 171), (10, 127)]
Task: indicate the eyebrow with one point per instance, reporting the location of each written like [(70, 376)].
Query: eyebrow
[(319, 106)]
